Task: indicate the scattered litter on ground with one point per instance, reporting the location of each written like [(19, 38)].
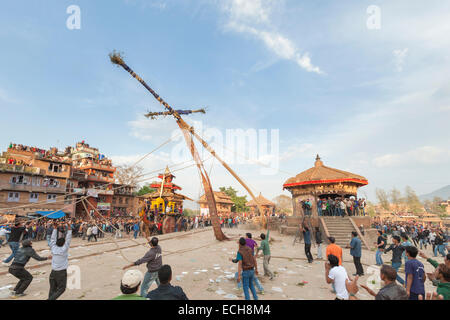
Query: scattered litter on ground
[(221, 292), (196, 272), (184, 272), (74, 260), (277, 289), (291, 272), (230, 296), (284, 284), (179, 278)]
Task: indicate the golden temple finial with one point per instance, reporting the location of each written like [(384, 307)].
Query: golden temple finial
[(318, 162)]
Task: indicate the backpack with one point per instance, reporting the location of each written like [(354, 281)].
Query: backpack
[(248, 262)]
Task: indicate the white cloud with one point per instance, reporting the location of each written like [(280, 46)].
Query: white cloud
[(427, 155), (399, 58), (6, 97), (253, 17), (152, 130), (256, 11), (295, 151)]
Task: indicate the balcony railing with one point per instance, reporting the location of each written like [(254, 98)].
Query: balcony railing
[(101, 179), (19, 169), (31, 188)]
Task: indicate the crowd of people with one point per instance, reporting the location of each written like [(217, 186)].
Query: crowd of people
[(404, 242), (336, 207)]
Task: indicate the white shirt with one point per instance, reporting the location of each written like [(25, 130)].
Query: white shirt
[(3, 232), (94, 230), (60, 255), (339, 275)]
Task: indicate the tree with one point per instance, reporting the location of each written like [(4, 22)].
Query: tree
[(412, 201), (371, 209), (239, 202), (383, 198), (283, 204), (144, 190), (396, 197), (190, 212), (435, 206), (128, 175)]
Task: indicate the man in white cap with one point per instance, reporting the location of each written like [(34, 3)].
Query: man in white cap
[(129, 285)]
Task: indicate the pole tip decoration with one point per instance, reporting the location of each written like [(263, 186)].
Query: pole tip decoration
[(116, 57)]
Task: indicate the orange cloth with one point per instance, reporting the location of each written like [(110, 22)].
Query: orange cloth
[(335, 250)]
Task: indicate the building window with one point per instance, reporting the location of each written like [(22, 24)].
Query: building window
[(36, 181), (13, 197), (51, 198), (53, 167), (67, 199), (51, 183), (34, 197), (126, 200), (19, 180)]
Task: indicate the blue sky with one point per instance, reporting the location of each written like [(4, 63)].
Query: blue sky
[(374, 102)]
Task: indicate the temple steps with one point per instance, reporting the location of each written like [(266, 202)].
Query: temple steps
[(341, 229)]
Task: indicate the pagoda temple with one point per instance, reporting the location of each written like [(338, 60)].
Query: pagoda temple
[(268, 206), (322, 182), (165, 199)]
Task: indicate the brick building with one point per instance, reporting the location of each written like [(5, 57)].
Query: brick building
[(33, 180)]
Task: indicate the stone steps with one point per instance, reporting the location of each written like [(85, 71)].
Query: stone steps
[(340, 228)]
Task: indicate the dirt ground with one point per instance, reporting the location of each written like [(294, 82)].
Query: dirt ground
[(200, 265)]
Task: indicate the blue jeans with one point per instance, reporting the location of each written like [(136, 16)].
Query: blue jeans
[(378, 259), (48, 237), (319, 211), (396, 266), (439, 248), (255, 282), (422, 241), (14, 247), (247, 282), (136, 234), (148, 281)]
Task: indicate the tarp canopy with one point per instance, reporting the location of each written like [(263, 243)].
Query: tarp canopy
[(52, 214)]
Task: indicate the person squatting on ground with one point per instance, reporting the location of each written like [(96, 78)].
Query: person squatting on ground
[(153, 258), (165, 290), (16, 235), (17, 268), (129, 285)]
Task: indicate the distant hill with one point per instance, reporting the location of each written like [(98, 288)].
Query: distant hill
[(443, 193)]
